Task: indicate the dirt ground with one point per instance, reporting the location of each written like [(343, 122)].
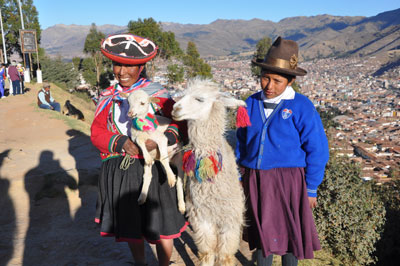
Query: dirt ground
[(48, 177)]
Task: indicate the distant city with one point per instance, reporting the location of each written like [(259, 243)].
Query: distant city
[(369, 130)]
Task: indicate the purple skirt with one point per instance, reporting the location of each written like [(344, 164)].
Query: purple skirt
[(279, 217)]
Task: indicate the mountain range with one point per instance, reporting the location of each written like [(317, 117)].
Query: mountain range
[(318, 36)]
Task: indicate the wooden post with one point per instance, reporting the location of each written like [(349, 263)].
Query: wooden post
[(30, 62), (38, 64), (23, 56)]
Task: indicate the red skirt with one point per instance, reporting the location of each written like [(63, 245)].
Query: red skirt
[(279, 217)]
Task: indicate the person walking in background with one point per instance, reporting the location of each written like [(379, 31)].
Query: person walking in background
[(2, 80), (21, 71), (45, 100), (282, 158), (15, 78)]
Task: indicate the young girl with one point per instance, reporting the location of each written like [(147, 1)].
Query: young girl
[(282, 157)]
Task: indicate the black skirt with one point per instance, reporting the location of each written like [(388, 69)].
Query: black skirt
[(119, 213)]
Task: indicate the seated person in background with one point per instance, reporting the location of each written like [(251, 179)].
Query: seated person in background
[(45, 100)]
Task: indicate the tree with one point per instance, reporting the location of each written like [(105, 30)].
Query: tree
[(296, 87), (12, 23), (57, 71), (92, 47), (149, 28), (262, 48), (388, 247), (89, 71), (196, 65), (77, 62), (350, 215), (169, 46), (327, 116), (175, 73)]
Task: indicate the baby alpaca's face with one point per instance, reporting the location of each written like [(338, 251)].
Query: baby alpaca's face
[(139, 103)]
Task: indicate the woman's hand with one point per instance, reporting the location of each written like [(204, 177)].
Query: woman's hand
[(130, 148), (313, 202)]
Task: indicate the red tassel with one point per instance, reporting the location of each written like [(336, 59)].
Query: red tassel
[(242, 118)]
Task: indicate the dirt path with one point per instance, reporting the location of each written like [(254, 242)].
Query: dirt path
[(48, 191)]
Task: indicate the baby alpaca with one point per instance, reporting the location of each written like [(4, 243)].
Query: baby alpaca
[(148, 126)]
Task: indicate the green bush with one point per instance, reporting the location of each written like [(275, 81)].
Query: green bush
[(59, 72), (388, 247), (350, 215)]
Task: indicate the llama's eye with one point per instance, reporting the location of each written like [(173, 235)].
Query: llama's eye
[(199, 99), (142, 103)]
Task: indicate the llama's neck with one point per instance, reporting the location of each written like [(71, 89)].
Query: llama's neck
[(206, 136)]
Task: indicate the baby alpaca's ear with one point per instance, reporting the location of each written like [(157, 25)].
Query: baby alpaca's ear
[(124, 95), (154, 100)]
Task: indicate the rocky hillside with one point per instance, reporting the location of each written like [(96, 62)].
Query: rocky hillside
[(68, 41), (318, 36)]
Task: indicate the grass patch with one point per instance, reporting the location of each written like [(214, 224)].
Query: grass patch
[(322, 258)]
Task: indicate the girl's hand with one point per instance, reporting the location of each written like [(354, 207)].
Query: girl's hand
[(313, 202)]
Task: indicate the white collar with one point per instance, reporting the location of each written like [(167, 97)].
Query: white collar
[(287, 94)]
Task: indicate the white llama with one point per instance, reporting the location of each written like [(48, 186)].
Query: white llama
[(139, 104), (214, 195)]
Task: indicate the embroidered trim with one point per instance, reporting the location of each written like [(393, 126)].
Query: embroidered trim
[(174, 129), (205, 168), (106, 156), (112, 124), (111, 143)]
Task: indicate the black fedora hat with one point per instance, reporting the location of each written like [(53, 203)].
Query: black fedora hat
[(282, 57)]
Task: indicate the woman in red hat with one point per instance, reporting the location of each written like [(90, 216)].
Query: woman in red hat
[(282, 157), (158, 220)]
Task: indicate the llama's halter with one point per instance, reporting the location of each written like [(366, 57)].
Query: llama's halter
[(203, 168), (149, 123)]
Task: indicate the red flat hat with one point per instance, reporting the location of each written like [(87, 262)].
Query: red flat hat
[(128, 49)]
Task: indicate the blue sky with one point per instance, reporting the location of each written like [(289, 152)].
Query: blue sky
[(120, 12)]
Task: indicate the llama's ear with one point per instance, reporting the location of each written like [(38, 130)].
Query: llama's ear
[(154, 100), (230, 101), (124, 95)]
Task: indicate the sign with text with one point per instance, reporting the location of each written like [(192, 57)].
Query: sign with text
[(28, 41)]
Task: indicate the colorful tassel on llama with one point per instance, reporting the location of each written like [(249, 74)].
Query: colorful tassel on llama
[(205, 168)]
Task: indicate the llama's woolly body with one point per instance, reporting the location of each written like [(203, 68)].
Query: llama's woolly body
[(215, 209)]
